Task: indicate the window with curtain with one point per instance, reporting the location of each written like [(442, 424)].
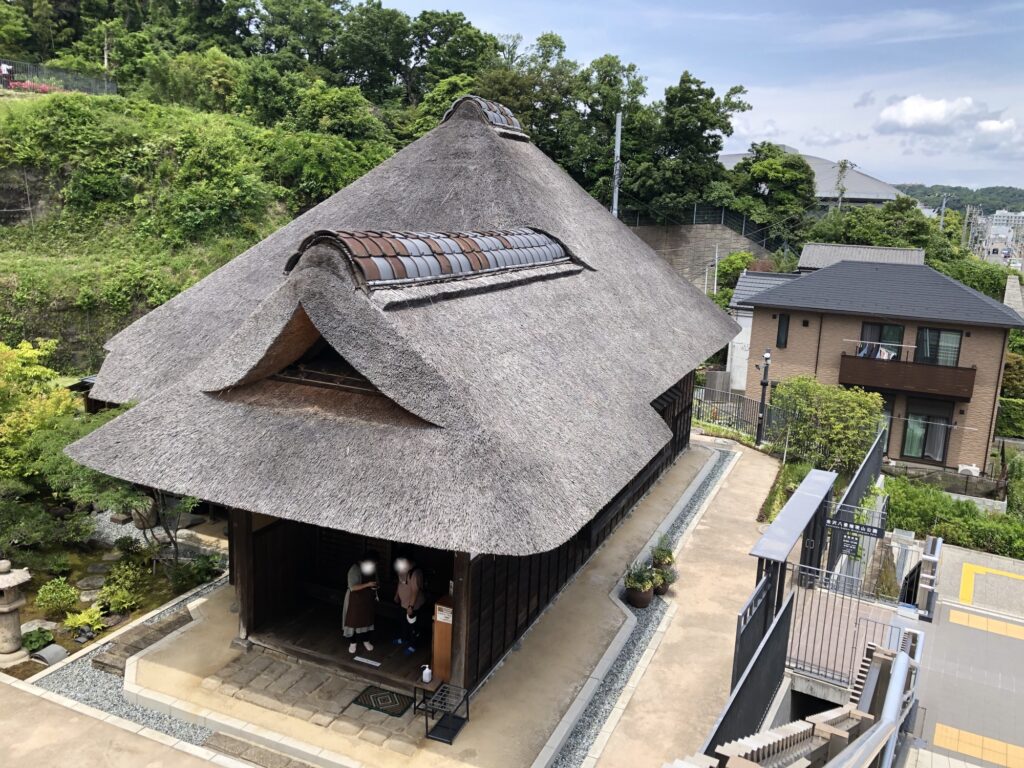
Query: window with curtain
[(927, 429), (938, 346), (880, 341)]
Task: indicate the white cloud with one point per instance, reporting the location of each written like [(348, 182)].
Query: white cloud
[(822, 138), (746, 130), (900, 26), (918, 114)]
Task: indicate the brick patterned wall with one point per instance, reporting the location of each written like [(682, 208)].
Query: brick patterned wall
[(815, 350), (690, 247)]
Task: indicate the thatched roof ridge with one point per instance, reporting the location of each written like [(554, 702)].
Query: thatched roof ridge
[(513, 408)]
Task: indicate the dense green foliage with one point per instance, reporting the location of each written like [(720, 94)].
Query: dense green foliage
[(147, 200), (124, 587), (925, 509), (56, 597), (43, 494), (35, 639), (830, 427), (1010, 419), (900, 223), (1013, 375), (989, 198)]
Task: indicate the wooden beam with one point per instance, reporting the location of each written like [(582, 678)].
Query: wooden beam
[(460, 619), (242, 551)]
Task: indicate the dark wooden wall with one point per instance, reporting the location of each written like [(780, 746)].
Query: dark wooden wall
[(506, 594)]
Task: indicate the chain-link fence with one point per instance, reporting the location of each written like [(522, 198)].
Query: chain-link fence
[(23, 77)]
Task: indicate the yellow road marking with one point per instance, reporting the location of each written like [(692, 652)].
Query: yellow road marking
[(970, 570), (985, 624), (978, 746)]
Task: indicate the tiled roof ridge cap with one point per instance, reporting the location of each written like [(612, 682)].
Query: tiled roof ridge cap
[(496, 115)]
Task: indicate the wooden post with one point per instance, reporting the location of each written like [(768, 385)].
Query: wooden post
[(460, 625), (241, 547)]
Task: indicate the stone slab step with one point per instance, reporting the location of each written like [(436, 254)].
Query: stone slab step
[(254, 754)]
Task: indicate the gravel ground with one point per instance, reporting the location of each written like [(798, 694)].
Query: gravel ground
[(583, 734), (80, 681), (107, 532)]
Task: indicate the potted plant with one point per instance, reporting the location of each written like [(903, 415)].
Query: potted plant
[(661, 552), (664, 577), (639, 580)]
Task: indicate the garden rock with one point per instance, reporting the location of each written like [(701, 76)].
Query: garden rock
[(112, 556), (90, 582), (99, 567), (30, 626), (89, 596), (120, 518)]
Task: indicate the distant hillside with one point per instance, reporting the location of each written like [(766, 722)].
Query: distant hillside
[(989, 198)]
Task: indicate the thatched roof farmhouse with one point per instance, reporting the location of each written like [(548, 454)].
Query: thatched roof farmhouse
[(461, 350)]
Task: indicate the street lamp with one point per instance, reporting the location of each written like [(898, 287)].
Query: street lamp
[(764, 395)]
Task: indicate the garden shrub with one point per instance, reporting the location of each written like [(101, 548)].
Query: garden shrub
[(925, 509), (1013, 376), (791, 474), (189, 574), (1010, 420), (830, 427), (91, 618), (35, 639), (56, 597), (125, 588)]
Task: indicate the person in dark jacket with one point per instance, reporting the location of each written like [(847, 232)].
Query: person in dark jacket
[(410, 595)]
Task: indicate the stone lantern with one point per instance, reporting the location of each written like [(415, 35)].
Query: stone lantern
[(11, 600)]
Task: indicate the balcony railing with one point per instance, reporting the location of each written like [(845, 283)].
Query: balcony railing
[(877, 365)]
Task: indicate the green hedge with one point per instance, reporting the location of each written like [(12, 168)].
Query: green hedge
[(925, 509), (1010, 421)]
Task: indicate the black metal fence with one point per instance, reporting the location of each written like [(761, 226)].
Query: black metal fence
[(752, 696), (21, 76), (704, 213), (849, 506), (739, 413)]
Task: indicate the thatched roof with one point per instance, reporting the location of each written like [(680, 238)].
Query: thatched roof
[(513, 405)]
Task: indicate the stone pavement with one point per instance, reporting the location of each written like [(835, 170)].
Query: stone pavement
[(37, 732), (671, 708), (316, 695), (514, 714), (135, 639)]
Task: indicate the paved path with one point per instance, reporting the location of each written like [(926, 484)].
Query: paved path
[(36, 732), (981, 580), (686, 683), (516, 711)]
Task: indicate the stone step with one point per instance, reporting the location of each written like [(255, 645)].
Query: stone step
[(254, 754)]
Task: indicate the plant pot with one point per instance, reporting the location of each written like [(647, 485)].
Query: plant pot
[(661, 589), (638, 598)]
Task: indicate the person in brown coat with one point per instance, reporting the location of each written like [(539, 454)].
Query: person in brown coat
[(410, 595), (360, 608)]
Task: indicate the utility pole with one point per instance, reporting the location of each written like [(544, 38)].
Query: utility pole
[(617, 168), (716, 268), (942, 212)]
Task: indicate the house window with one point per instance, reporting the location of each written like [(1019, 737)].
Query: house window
[(927, 429), (880, 341), (938, 346), (782, 335)]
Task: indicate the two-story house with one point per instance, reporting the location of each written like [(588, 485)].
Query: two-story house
[(933, 348)]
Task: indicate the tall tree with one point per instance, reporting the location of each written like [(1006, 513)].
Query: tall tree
[(775, 188)]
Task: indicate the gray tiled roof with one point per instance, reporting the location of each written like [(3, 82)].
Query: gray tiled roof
[(889, 290), (752, 283), (859, 186), (820, 255)]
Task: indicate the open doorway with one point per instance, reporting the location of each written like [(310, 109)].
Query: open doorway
[(301, 573)]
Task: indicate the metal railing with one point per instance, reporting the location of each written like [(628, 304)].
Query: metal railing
[(739, 413), (25, 77), (704, 213)]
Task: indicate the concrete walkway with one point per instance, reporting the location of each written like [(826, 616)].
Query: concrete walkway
[(37, 732), (516, 711), (980, 580), (680, 695)]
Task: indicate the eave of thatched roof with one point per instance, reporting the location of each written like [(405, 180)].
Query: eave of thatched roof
[(517, 404)]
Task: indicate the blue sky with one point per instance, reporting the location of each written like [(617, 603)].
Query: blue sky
[(910, 92)]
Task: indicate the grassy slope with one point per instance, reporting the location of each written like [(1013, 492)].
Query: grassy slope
[(135, 202)]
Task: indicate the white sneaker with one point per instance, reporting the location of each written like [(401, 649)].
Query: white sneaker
[(351, 647), (368, 646)]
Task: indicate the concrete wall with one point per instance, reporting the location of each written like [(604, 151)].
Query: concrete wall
[(815, 350), (689, 248), (739, 352)]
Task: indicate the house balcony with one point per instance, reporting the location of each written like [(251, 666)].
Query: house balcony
[(904, 375)]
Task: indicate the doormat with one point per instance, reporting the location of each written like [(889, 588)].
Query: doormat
[(388, 702)]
